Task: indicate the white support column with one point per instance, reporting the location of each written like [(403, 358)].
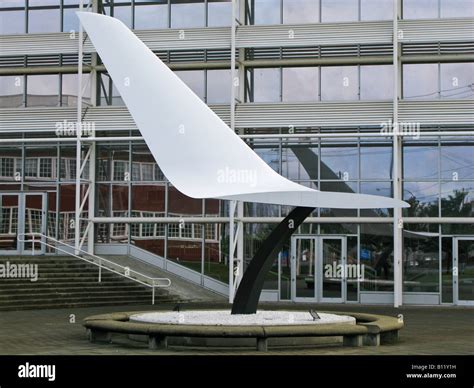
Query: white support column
[(397, 170), (232, 242), (236, 237), (77, 221)]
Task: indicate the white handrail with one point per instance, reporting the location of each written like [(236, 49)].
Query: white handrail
[(148, 282)]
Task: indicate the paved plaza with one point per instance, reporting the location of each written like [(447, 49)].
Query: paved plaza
[(427, 331)]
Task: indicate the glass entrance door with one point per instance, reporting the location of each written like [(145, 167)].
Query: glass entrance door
[(34, 222), (463, 270), (9, 204), (303, 268), (333, 269)]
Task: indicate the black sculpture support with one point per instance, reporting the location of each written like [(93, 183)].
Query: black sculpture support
[(250, 288)]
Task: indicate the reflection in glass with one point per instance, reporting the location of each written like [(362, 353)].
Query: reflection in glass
[(420, 263), (339, 83), (300, 161), (457, 161), (420, 162), (10, 164), (340, 160), (42, 90), (466, 270), (383, 189), (376, 254), (181, 205), (216, 251), (148, 201), (269, 154), (423, 198), (69, 89), (300, 83), (305, 256), (457, 199), (376, 161), (447, 270), (11, 91), (112, 163)]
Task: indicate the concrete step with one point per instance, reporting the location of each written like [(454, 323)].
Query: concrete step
[(78, 304)]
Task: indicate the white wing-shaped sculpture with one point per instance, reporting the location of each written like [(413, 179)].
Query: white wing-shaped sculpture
[(199, 154)]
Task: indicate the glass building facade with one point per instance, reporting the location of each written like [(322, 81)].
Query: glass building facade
[(316, 86)]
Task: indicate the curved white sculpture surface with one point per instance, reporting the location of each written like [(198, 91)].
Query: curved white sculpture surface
[(199, 154)]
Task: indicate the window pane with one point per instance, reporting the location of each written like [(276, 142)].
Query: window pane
[(457, 80), (194, 79), (12, 3), (12, 22), (457, 162), (376, 254), (376, 9), (339, 83), (376, 82), (423, 199), (36, 3), (44, 20), (70, 20), (124, 14), (300, 11), (376, 162), (219, 13), (267, 12), (420, 9), (42, 90), (266, 85), (420, 81), (151, 16), (420, 162), (340, 162), (11, 91), (187, 13), (421, 264), (457, 8), (457, 199), (69, 89), (339, 10), (218, 86), (300, 84)]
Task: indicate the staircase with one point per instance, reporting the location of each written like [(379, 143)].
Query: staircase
[(65, 282)]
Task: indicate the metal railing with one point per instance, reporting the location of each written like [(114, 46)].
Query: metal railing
[(98, 261)]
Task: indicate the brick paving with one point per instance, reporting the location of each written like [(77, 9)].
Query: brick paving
[(428, 331)]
